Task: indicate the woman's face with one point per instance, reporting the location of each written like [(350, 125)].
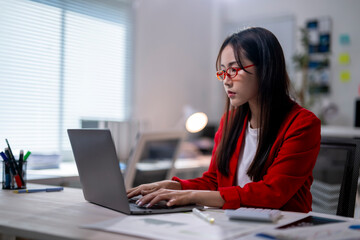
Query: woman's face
[(243, 87)]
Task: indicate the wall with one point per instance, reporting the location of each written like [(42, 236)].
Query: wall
[(177, 43), (174, 64)]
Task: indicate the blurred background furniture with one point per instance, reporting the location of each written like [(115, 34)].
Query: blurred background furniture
[(336, 175)]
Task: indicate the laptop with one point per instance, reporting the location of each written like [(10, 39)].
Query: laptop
[(100, 175)]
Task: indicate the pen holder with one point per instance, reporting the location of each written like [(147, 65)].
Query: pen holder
[(14, 175)]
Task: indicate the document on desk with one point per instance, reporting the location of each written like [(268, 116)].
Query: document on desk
[(332, 231), (178, 226)]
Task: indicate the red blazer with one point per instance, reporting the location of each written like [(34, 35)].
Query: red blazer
[(287, 174)]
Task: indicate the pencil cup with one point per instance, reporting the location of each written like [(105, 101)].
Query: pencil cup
[(14, 175)]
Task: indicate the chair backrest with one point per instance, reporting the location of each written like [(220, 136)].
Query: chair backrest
[(153, 157), (336, 175)]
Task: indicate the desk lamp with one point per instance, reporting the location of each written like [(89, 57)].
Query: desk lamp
[(196, 122)]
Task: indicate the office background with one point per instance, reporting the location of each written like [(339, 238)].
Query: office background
[(168, 64), (180, 40)]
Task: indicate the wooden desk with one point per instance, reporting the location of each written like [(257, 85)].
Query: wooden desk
[(59, 215), (51, 215)]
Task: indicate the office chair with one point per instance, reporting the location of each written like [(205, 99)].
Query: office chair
[(336, 175)]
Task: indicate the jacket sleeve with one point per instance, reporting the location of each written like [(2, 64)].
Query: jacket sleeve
[(209, 180), (291, 165)]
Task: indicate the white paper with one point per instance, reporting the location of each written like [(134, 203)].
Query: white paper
[(178, 226), (331, 231)]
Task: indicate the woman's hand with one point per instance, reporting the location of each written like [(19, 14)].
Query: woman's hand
[(182, 197), (145, 189)]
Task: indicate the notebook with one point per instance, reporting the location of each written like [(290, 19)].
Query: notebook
[(100, 175)]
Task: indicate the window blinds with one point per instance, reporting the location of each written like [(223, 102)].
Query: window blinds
[(61, 62)]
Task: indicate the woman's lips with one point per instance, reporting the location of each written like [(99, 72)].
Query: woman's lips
[(231, 94)]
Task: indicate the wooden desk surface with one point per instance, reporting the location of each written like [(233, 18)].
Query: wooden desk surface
[(58, 215), (51, 215)]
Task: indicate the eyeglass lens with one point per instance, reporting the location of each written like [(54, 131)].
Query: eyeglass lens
[(231, 72)]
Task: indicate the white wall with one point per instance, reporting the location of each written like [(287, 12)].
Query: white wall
[(174, 64), (177, 43)]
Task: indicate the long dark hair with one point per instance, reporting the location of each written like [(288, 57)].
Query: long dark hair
[(263, 49)]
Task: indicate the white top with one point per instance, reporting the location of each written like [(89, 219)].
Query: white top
[(247, 155)]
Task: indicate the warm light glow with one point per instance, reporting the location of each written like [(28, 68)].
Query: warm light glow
[(196, 122)]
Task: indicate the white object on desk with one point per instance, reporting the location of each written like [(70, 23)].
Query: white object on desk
[(203, 216), (254, 214)]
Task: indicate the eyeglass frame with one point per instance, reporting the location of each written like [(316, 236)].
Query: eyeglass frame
[(225, 72)]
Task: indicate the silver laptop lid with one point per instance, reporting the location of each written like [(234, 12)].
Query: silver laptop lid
[(98, 167)]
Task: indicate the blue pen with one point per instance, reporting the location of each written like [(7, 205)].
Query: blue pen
[(4, 157), (7, 171), (8, 161), (55, 189), (264, 235)]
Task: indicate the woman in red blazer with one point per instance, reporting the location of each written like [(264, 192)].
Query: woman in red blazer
[(266, 145)]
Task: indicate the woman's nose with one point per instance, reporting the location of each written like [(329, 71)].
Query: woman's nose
[(227, 80)]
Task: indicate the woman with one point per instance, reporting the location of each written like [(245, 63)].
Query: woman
[(266, 145)]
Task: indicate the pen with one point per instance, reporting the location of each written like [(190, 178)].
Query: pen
[(11, 155), (267, 236), (21, 160), (4, 157), (27, 155), (7, 170), (202, 215), (55, 189), (14, 169)]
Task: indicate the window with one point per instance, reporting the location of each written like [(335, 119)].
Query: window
[(62, 62)]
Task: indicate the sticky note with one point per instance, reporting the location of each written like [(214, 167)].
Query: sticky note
[(344, 59), (345, 76), (344, 39)]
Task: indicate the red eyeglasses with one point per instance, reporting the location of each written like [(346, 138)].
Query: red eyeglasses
[(231, 72)]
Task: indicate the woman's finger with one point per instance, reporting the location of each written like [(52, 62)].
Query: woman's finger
[(130, 190), (158, 198), (147, 191), (149, 197), (171, 202), (133, 193)]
